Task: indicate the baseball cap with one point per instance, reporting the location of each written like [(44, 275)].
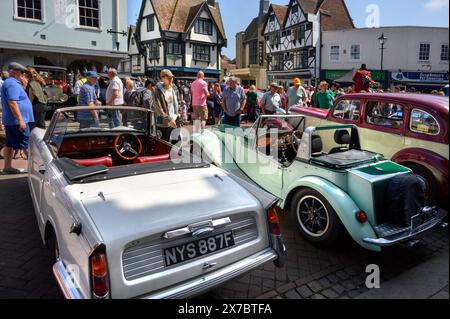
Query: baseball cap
[(92, 74), (297, 81), (17, 67)]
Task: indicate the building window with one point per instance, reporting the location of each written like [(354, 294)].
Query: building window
[(355, 52), (295, 9), (89, 13), (202, 53), (424, 52), (173, 48), (203, 26), (444, 52), (29, 9), (335, 53), (151, 23), (253, 52), (153, 51), (272, 18), (302, 33)]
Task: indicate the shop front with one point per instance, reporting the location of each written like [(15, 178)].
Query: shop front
[(421, 81), (345, 77), (186, 74)]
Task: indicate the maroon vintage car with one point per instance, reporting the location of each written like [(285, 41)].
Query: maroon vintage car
[(410, 129)]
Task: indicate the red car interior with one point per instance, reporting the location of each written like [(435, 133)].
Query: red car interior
[(91, 151), (152, 159), (105, 160)]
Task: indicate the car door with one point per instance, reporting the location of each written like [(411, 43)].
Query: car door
[(262, 168), (383, 127)]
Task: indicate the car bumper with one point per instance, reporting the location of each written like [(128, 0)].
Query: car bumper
[(409, 233), (65, 282), (202, 284)]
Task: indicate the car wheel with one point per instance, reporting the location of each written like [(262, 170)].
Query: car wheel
[(316, 218), (431, 195), (52, 244)]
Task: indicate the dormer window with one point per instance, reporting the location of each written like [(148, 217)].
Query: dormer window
[(203, 26)]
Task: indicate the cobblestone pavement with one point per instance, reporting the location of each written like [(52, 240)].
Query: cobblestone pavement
[(310, 272)]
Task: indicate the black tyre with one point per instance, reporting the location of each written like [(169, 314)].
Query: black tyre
[(431, 195), (316, 218), (52, 245)]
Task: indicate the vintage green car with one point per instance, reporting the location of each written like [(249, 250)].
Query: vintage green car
[(328, 191)]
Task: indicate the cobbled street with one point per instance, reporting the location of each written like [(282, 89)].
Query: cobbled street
[(310, 272)]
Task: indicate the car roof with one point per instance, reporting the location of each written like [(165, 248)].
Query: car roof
[(439, 104)]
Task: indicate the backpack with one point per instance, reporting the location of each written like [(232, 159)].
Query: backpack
[(136, 98)]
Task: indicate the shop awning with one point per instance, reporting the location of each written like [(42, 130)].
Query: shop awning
[(346, 78)]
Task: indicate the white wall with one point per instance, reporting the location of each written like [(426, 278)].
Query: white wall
[(204, 37), (402, 48), (156, 34)]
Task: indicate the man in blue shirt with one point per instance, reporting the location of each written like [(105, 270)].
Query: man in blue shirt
[(88, 97), (17, 114), (233, 102)]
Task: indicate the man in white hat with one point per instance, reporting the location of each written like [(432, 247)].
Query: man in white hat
[(271, 100)]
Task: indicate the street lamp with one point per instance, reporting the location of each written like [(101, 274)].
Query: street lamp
[(382, 40)]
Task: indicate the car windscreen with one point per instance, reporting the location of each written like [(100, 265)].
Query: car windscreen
[(90, 121)]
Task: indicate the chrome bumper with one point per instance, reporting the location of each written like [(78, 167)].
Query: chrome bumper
[(202, 284), (65, 282), (408, 234)]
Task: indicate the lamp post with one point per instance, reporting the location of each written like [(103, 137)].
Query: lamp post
[(382, 40)]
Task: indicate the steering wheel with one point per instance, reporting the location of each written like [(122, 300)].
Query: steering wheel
[(127, 146), (296, 139)]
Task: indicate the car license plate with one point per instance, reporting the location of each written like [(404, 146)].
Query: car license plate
[(198, 248)]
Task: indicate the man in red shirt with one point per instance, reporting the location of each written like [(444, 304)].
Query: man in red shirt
[(363, 80)]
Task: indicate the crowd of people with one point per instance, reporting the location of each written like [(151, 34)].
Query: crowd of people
[(175, 103)]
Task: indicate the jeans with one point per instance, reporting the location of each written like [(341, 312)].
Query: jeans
[(114, 118), (232, 120), (88, 123)]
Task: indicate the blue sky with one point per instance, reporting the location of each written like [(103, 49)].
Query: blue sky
[(237, 14)]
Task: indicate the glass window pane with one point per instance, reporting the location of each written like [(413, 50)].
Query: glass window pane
[(422, 122)]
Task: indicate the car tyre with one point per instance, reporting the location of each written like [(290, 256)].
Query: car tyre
[(316, 219), (431, 196), (52, 244)]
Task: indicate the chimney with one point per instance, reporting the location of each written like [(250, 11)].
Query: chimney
[(263, 9), (211, 3)]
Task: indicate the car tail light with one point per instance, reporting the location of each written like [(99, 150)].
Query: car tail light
[(99, 273), (361, 217), (274, 222)]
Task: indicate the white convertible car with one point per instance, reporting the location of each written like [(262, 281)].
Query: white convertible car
[(128, 216)]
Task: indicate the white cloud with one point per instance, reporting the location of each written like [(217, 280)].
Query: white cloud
[(435, 5)]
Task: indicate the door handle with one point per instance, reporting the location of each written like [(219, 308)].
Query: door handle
[(42, 169)]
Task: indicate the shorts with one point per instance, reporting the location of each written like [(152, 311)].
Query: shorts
[(201, 113), (15, 138)]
